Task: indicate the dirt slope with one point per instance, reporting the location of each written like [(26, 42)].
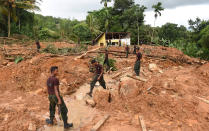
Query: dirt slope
[(170, 104)]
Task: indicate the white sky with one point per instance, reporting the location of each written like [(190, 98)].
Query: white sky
[(177, 11)]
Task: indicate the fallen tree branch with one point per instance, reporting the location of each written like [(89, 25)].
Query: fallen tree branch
[(202, 99), (139, 79)]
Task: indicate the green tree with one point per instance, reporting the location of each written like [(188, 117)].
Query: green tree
[(172, 32), (204, 37), (121, 5), (93, 25), (10, 6), (82, 32), (133, 19), (106, 13), (157, 9), (195, 25)]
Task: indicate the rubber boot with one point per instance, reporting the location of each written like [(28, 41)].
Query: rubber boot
[(68, 125), (90, 94), (50, 121)]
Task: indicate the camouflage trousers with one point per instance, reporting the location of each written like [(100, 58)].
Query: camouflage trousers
[(106, 61), (94, 81), (137, 67), (52, 108), (127, 52)]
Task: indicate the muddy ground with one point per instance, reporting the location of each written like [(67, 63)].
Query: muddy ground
[(170, 99)]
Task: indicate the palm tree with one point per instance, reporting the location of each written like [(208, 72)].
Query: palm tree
[(106, 14), (8, 8), (93, 26), (157, 9)]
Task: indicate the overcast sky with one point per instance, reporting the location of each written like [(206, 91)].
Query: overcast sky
[(177, 11)]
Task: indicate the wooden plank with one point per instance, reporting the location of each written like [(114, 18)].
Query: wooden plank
[(149, 89), (139, 79), (141, 120), (79, 57), (117, 75), (202, 99), (109, 70), (100, 123)]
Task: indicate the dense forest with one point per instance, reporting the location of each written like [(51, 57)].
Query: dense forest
[(17, 17)]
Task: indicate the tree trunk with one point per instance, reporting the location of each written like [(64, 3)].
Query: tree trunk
[(19, 20), (153, 30), (19, 24), (138, 30), (9, 17)]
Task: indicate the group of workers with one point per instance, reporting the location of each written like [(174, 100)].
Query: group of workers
[(55, 99), (99, 71)]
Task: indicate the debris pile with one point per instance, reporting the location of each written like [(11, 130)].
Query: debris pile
[(171, 92)]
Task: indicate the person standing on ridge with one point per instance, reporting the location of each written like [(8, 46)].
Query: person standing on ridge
[(106, 61), (138, 61), (38, 46), (134, 52), (127, 50)]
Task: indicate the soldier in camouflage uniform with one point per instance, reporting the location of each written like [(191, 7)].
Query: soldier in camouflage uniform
[(98, 76), (134, 52), (38, 46), (127, 51), (56, 99), (106, 61), (138, 61)]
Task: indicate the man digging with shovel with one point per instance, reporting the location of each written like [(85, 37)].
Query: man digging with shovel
[(98, 76)]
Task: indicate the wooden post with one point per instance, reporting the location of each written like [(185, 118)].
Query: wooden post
[(100, 123), (141, 120)]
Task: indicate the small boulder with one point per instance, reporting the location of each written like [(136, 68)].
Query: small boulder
[(101, 97), (153, 67), (79, 96), (160, 71), (128, 88), (5, 63), (10, 63), (90, 102), (32, 127)]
